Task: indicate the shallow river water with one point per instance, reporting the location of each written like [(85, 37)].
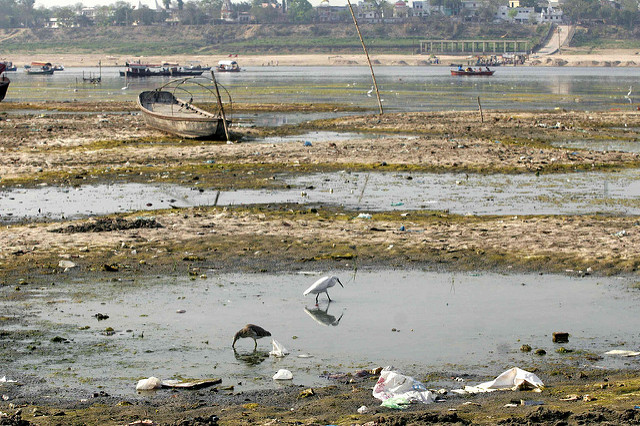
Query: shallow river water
[(403, 88), (462, 323), (566, 193)]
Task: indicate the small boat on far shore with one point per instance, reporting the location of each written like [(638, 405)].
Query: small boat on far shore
[(472, 71), (4, 81), (9, 66), (144, 70), (228, 66), (39, 68)]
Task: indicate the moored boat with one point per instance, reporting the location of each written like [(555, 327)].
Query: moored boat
[(144, 70), (163, 111), (40, 68), (9, 66), (472, 71), (228, 66), (4, 81)]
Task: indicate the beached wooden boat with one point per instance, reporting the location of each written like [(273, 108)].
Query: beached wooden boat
[(145, 70), (9, 66), (471, 71), (4, 82), (163, 111)]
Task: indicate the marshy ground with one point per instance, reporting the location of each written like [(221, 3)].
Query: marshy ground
[(79, 144)]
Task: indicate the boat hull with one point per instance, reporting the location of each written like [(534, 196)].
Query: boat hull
[(162, 111), (4, 85), (32, 71), (456, 72)]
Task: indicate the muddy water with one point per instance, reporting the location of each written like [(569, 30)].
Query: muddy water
[(629, 145), (172, 327), (406, 88), (572, 193)]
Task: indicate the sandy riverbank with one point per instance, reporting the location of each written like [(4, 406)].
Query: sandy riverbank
[(568, 57)]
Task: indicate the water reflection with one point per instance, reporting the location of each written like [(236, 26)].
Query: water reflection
[(323, 317), (251, 358)]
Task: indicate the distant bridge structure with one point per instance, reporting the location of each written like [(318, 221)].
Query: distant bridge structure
[(484, 47)]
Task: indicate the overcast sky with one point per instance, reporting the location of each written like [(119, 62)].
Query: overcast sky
[(149, 3)]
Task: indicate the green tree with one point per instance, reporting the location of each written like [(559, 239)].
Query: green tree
[(180, 4), (144, 16), (300, 11), (66, 16), (167, 4), (577, 10), (26, 12), (512, 13), (122, 13)]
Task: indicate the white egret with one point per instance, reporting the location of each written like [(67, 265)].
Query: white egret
[(370, 92), (250, 331), (322, 285), (628, 95)]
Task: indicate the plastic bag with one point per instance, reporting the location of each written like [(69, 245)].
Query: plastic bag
[(278, 350), (392, 384), (397, 402), (283, 374), (512, 379), (149, 384)]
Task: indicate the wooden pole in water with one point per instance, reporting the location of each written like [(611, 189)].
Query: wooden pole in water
[(373, 76), (480, 107), (224, 119)]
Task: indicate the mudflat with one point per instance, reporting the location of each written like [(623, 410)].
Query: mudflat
[(115, 146)]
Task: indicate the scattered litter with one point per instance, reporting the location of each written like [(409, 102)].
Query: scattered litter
[(149, 384), (571, 398), (145, 422), (620, 233), (510, 405), (358, 376), (180, 311), (155, 383), (396, 402), (402, 228), (306, 393), (363, 409), (622, 353), (472, 403), (305, 356), (66, 264), (397, 204), (4, 379), (283, 374), (588, 398), (278, 350), (530, 403), (513, 379), (364, 216), (392, 384), (560, 337), (307, 143)]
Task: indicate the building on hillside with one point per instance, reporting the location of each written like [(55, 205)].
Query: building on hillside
[(400, 9), (420, 8), (529, 14), (328, 13), (226, 11)]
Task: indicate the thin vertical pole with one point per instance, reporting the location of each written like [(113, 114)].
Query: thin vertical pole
[(373, 76), (480, 107), (224, 119)]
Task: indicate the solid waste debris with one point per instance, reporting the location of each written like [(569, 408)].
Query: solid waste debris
[(401, 389), (155, 383), (4, 379), (560, 337), (621, 352), (306, 393), (67, 264), (512, 379), (364, 216), (279, 351), (363, 409), (283, 374)]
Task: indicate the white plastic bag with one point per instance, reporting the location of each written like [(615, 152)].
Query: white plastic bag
[(283, 374), (512, 379), (392, 384), (149, 384), (278, 350)]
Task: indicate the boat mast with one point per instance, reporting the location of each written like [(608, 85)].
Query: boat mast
[(373, 76), (224, 119)]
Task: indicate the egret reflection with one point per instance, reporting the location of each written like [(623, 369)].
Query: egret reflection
[(323, 317)]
